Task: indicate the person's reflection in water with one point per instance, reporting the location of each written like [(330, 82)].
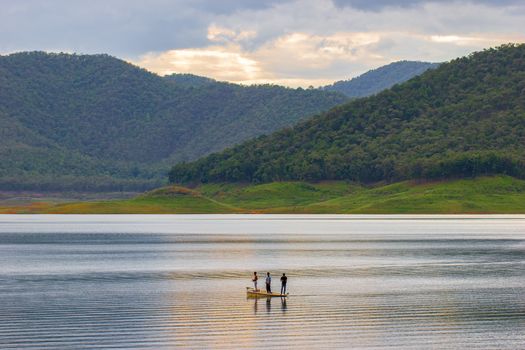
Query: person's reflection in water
[(268, 305), (283, 304), (255, 306)]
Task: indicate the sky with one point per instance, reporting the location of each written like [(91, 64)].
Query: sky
[(288, 42)]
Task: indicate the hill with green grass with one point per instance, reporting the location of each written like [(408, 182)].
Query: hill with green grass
[(97, 123), (497, 195), (379, 79), (463, 119)]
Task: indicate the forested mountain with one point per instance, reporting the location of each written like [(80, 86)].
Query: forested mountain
[(464, 118), (189, 80), (94, 122), (379, 79)]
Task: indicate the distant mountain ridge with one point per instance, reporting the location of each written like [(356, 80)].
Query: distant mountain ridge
[(464, 118), (380, 79), (94, 122)]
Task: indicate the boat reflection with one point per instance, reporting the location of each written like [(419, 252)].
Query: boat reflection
[(284, 305)]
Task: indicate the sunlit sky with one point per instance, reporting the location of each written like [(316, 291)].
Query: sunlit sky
[(293, 43)]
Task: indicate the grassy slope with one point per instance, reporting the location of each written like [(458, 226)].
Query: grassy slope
[(498, 194), (481, 195)]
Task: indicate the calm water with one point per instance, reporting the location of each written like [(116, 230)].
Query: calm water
[(355, 282)]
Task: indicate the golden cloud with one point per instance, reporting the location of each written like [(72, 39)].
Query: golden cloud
[(293, 53), (219, 62), (302, 59)]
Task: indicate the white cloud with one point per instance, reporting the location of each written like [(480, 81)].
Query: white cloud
[(284, 60), (293, 42), (220, 62), (314, 42), (218, 33), (478, 41)]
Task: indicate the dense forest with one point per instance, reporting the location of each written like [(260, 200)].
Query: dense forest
[(189, 80), (380, 79), (464, 118), (94, 122)]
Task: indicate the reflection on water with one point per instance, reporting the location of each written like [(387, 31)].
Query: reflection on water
[(357, 283), (282, 304)]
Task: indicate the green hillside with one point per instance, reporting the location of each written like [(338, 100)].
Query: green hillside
[(380, 79), (498, 194), (463, 119), (94, 122)]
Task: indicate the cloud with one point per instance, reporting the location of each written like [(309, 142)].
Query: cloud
[(380, 4), (480, 41), (323, 42), (119, 27), (226, 63), (292, 42), (294, 59), (217, 33), (302, 59)]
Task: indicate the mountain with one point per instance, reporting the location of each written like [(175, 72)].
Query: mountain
[(464, 118), (94, 122), (189, 80), (380, 79)]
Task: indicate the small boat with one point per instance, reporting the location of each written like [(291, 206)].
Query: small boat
[(262, 293)]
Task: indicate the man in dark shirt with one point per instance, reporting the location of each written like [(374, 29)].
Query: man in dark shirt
[(284, 279)]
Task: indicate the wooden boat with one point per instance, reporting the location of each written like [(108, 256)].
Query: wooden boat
[(259, 293)]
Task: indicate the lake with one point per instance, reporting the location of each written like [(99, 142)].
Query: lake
[(163, 281)]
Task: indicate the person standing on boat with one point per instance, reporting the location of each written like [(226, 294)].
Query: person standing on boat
[(284, 279), (254, 280), (268, 283)]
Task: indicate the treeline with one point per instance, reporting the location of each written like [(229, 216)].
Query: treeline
[(468, 164), (77, 184), (465, 118)]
